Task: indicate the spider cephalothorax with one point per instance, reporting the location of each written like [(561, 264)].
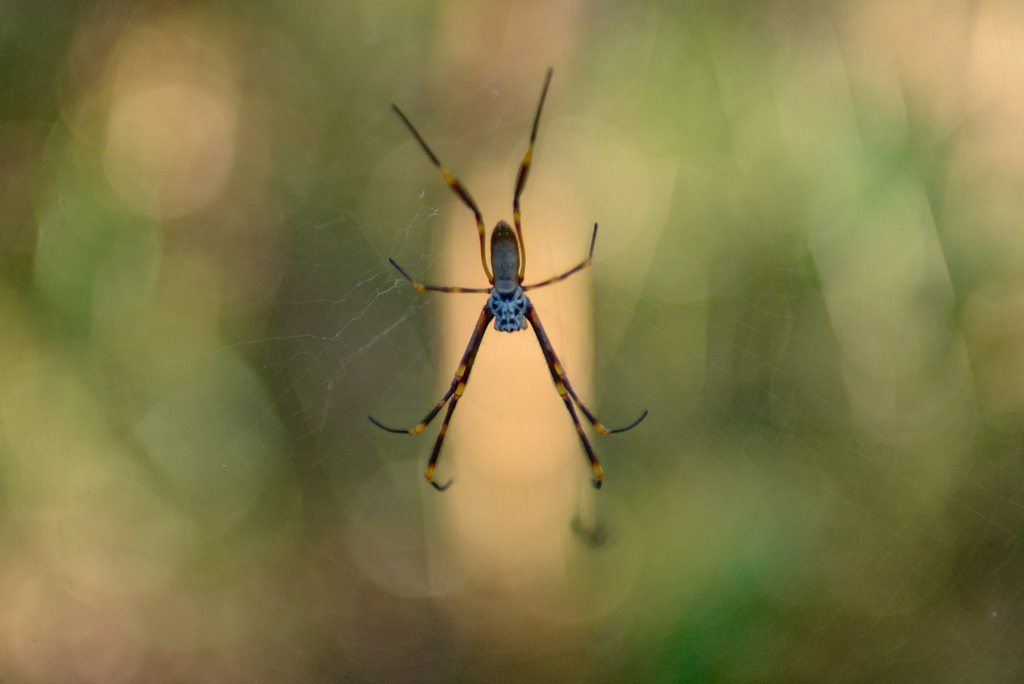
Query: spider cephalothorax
[(507, 305)]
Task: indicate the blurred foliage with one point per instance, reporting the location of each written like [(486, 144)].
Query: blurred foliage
[(811, 270)]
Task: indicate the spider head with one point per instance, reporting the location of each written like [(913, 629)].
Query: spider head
[(505, 258)]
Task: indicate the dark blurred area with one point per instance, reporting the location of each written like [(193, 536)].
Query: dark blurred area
[(810, 270)]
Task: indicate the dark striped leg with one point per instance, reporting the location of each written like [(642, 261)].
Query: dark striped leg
[(437, 445), (457, 187), (454, 392), (568, 395), (437, 288), (524, 171), (575, 269)]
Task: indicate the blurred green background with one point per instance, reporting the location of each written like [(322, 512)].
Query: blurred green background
[(811, 270)]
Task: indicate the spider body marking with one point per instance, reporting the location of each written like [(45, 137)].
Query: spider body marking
[(507, 305), (509, 311)]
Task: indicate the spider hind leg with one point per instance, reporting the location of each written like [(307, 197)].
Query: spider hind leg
[(569, 396)]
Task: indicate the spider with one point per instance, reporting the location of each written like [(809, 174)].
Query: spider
[(508, 306)]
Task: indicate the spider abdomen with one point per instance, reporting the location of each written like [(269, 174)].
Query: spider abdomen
[(509, 310)]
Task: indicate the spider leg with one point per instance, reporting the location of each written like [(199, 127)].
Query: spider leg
[(524, 170), (456, 187), (594, 421), (454, 393), (568, 395), (575, 269), (437, 288), (557, 374), (437, 448)]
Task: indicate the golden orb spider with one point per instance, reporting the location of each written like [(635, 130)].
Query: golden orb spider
[(507, 305)]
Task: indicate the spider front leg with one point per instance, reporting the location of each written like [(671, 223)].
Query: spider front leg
[(524, 171), (454, 393), (568, 395), (456, 187)]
